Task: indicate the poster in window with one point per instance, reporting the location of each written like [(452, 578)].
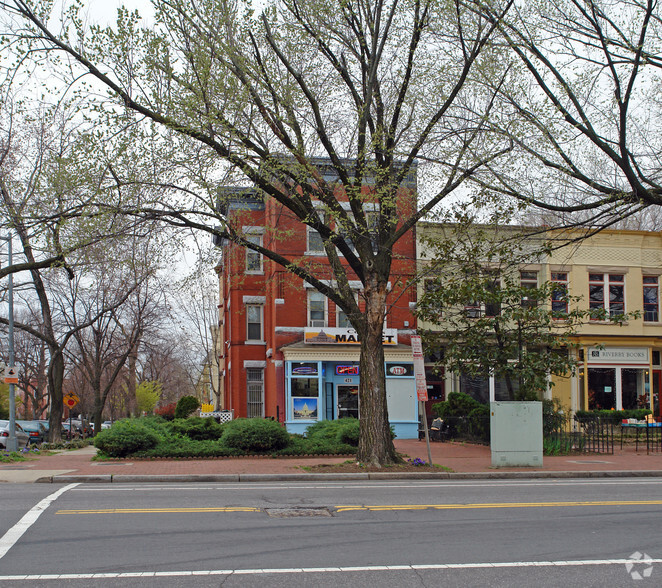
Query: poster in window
[(304, 408)]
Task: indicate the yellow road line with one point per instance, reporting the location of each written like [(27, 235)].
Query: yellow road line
[(497, 505), (160, 510), (379, 507)]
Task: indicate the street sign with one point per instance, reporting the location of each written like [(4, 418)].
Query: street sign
[(11, 376), (419, 368), (71, 400)]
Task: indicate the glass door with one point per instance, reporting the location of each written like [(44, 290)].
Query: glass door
[(348, 401)]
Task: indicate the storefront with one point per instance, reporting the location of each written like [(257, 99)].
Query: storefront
[(616, 378), (322, 379)]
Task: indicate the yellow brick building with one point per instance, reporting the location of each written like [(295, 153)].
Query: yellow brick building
[(615, 270)]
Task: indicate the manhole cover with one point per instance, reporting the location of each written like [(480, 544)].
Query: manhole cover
[(298, 512)]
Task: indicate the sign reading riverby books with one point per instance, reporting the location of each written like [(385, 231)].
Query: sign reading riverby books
[(336, 336), (419, 368)]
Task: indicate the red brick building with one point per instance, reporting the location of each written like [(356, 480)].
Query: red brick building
[(289, 352)]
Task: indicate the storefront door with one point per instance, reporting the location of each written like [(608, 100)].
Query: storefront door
[(348, 401)]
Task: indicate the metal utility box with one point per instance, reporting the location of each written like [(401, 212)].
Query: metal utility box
[(516, 433)]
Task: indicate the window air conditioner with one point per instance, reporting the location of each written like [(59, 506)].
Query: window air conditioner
[(318, 323)]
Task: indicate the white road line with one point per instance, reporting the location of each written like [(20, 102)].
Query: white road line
[(246, 486), (339, 569), (10, 538)]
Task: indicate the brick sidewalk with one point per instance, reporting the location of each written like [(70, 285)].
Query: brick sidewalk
[(459, 457)]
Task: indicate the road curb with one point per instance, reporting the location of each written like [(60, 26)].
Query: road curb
[(339, 477)]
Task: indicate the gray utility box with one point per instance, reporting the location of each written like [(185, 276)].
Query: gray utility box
[(516, 433)]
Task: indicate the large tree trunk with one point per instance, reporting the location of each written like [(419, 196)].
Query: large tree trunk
[(55, 380), (375, 443)]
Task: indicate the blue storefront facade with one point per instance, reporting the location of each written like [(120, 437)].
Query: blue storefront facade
[(322, 383)]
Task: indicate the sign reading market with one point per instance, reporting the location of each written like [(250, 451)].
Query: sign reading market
[(335, 336)]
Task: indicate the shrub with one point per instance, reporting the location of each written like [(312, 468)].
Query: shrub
[(465, 416), (167, 411), (185, 406), (126, 437), (175, 446), (345, 431), (299, 445), (257, 435), (349, 433), (457, 404), (612, 416), (197, 428)]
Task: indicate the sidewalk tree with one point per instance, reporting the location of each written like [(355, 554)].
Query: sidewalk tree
[(224, 91)]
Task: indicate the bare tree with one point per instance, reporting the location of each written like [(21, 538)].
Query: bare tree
[(374, 86), (582, 106)]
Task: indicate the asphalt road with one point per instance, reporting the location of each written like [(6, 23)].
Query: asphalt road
[(399, 533)]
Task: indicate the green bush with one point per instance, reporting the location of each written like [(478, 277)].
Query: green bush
[(344, 431), (125, 438), (176, 446), (613, 416), (457, 404), (349, 433), (478, 423), (299, 445), (255, 435), (185, 406), (197, 428), (465, 416)]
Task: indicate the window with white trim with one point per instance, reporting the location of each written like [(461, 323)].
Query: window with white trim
[(316, 309), (255, 393), (254, 258), (559, 294), (254, 322), (528, 281), (342, 321), (606, 293), (315, 243), (651, 298)]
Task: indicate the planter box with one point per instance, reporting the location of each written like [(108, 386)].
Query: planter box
[(516, 434)]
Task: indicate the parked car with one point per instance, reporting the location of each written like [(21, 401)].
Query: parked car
[(36, 431), (47, 424), (106, 425), (71, 431), (22, 438)]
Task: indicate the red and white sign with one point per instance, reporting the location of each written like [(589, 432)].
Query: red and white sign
[(419, 368)]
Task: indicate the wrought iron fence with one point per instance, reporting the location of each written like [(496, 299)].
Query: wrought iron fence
[(561, 435), (592, 434)]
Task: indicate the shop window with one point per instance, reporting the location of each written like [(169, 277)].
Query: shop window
[(253, 258), (305, 398), (559, 294), (651, 299), (316, 309), (255, 393), (528, 281), (254, 322), (606, 295)]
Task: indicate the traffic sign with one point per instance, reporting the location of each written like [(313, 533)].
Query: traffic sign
[(71, 400), (11, 376)]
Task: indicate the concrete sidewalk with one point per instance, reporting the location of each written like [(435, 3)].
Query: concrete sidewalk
[(464, 461)]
